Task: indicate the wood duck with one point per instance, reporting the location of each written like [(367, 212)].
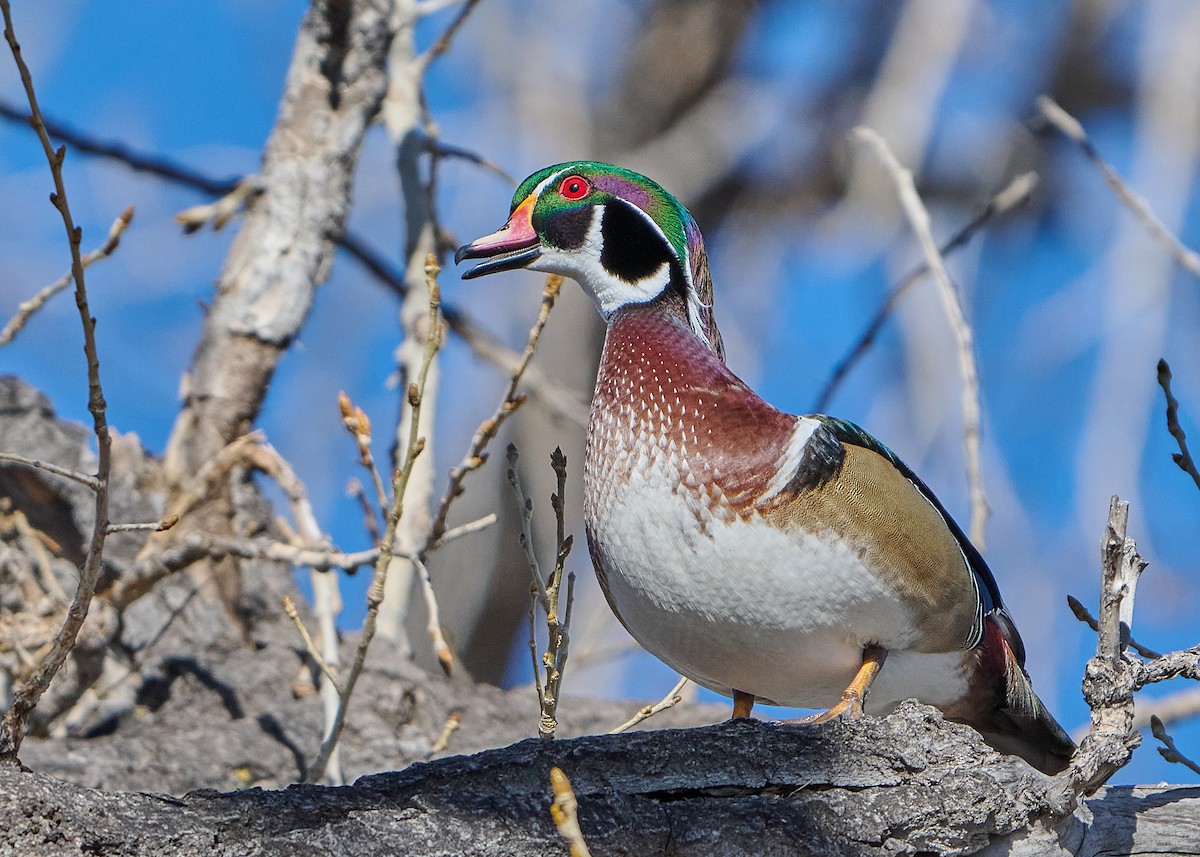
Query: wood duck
[(769, 557)]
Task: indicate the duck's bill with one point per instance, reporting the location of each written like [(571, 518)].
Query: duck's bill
[(514, 245), (497, 259)]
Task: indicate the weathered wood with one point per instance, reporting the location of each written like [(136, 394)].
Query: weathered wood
[(909, 783)]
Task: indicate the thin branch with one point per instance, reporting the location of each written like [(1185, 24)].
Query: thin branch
[(453, 722), (442, 44), (26, 697), (141, 162), (465, 530), (147, 526), (918, 217), (525, 504), (1015, 193), (476, 456), (26, 309), (358, 424), (439, 149), (1169, 751), (564, 811), (1184, 457), (672, 699), (1109, 681), (74, 475), (1071, 128), (219, 212), (399, 483), (433, 627), (1085, 616), (289, 607)]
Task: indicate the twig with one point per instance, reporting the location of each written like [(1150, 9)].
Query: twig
[(26, 309), (379, 578), (672, 699), (453, 722), (355, 489), (564, 811), (554, 659), (1184, 663), (1084, 616), (442, 44), (476, 456), (289, 607), (1183, 458), (26, 697), (74, 475), (1109, 682), (465, 529), (1013, 194), (1072, 129), (141, 162), (441, 649), (918, 217), (151, 526), (525, 504), (444, 150), (1169, 751), (358, 424), (222, 210)]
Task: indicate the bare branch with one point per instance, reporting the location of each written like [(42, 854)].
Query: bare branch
[(26, 309), (1084, 616), (151, 526), (26, 697), (453, 722), (672, 699), (219, 212), (1169, 751), (443, 42), (1013, 194), (1108, 683), (433, 626), (918, 217), (379, 578), (476, 456), (1183, 458), (74, 475), (564, 811), (289, 607), (1072, 129)]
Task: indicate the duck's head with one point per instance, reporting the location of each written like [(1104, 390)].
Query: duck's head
[(617, 233)]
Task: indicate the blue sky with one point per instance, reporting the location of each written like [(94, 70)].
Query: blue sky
[(1070, 301)]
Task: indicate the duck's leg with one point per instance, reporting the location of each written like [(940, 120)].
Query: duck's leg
[(743, 704), (851, 704)]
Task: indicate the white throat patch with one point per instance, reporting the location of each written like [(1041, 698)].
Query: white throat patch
[(609, 292)]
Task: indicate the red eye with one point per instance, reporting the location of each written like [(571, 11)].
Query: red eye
[(574, 187)]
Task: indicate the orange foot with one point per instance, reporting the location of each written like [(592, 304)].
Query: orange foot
[(851, 704), (743, 704)]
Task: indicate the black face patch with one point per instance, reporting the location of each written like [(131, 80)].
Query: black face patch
[(565, 229), (633, 249)]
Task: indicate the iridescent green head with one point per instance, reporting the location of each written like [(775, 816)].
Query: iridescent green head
[(619, 234)]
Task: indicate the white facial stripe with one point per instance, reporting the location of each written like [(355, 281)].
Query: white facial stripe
[(544, 183), (793, 454)]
